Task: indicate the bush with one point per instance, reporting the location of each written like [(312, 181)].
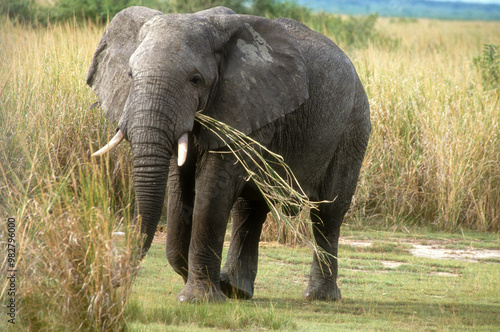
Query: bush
[(28, 11), (275, 9), (489, 66), (350, 31), (21, 10), (81, 9)]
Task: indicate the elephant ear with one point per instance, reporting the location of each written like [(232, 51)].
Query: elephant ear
[(263, 75), (108, 73)]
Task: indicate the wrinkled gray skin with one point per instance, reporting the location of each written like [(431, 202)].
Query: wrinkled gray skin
[(290, 88)]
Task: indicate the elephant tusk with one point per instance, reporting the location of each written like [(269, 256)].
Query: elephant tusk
[(108, 147), (183, 148)]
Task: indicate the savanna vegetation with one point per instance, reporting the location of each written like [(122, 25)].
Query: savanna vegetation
[(432, 165)]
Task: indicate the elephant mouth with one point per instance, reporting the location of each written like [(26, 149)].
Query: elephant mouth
[(182, 148)]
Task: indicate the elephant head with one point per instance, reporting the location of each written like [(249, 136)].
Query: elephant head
[(152, 72)]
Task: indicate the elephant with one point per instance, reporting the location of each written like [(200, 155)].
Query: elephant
[(289, 88)]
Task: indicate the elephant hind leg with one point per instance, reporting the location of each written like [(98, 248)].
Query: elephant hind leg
[(323, 276), (239, 272), (339, 185)]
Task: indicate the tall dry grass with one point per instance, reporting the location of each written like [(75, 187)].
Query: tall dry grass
[(432, 158), (67, 206)]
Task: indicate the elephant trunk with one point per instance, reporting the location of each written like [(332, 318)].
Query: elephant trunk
[(150, 187), (156, 125), (151, 163)]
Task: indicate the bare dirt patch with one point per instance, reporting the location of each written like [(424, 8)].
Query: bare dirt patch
[(391, 264), (436, 249), (472, 255), (160, 237), (444, 274)]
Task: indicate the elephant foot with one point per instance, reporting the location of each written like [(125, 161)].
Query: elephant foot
[(322, 293), (236, 288), (196, 294)]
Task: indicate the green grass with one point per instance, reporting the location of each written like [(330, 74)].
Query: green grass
[(420, 294)]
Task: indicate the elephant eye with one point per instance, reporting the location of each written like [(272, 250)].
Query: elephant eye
[(130, 73), (196, 80)]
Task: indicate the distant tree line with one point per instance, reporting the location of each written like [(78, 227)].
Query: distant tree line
[(32, 12), (349, 31)]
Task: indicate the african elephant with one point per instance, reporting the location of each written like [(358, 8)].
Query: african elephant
[(288, 87)]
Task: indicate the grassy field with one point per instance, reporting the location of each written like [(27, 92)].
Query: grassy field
[(384, 288), (432, 162)]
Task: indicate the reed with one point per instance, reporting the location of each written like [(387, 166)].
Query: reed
[(272, 177), (433, 155), (67, 206)]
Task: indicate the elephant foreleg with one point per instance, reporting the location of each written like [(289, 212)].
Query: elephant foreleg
[(216, 191), (239, 272), (179, 219)]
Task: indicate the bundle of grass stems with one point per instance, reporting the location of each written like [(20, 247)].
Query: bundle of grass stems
[(263, 166)]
